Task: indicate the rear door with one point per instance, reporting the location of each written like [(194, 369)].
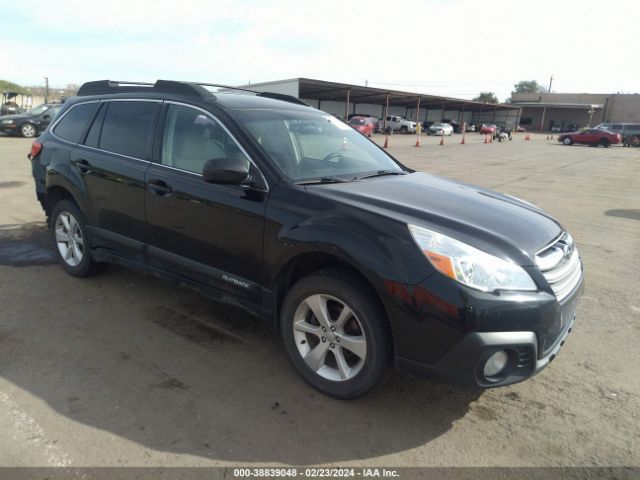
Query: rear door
[(113, 160), (210, 233)]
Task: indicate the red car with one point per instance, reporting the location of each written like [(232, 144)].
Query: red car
[(365, 125), (591, 136), (489, 129)]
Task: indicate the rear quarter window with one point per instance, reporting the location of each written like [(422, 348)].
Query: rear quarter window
[(74, 122)]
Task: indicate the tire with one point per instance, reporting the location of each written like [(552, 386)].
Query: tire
[(567, 141), (28, 130), (404, 130), (71, 240), (604, 142), (366, 364)]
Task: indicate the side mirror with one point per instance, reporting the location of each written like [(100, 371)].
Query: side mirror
[(226, 170)]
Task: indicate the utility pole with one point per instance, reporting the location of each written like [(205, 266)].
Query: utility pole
[(46, 89), (550, 83)]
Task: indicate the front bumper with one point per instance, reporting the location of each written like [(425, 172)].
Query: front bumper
[(543, 327)]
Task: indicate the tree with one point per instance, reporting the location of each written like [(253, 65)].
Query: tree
[(486, 97), (529, 86)]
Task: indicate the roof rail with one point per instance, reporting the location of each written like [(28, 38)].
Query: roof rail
[(105, 87), (283, 97)]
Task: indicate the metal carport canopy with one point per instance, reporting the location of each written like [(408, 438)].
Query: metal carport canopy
[(322, 90)]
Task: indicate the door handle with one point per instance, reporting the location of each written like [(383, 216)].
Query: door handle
[(159, 187), (82, 165)]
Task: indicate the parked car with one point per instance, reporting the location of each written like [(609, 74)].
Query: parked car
[(359, 262), (469, 127), (365, 125), (562, 128), (397, 123), (440, 129), (455, 125), (31, 123), (488, 129), (591, 136), (366, 115), (426, 124)]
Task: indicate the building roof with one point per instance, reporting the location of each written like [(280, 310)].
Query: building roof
[(312, 89)]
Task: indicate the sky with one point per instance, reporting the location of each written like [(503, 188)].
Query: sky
[(455, 48)]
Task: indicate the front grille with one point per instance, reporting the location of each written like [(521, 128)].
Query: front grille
[(561, 266)]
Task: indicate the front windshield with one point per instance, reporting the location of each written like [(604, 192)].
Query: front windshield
[(38, 110), (309, 145)]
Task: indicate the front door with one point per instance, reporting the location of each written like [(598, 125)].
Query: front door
[(210, 233)]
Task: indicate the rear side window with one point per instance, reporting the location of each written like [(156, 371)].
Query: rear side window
[(72, 125), (127, 128), (93, 137)]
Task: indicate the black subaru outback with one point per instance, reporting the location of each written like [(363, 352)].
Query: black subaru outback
[(359, 262)]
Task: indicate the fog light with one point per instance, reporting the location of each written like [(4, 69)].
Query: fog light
[(496, 363)]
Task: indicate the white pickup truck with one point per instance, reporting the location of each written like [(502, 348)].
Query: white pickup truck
[(397, 123)]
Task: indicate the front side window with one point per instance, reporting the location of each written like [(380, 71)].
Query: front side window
[(310, 145), (72, 125), (191, 138), (127, 128)]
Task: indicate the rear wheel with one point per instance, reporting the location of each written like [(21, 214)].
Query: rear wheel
[(335, 333), (567, 141), (71, 240), (605, 142)]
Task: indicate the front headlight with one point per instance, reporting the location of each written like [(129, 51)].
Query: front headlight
[(7, 122), (468, 265)]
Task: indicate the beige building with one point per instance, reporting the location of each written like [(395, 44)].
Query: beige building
[(542, 111)]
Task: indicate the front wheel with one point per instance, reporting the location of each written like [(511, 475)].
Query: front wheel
[(28, 130), (335, 333), (567, 141), (605, 142), (404, 130)]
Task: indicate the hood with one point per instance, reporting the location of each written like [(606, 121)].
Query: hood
[(493, 222), (14, 116)]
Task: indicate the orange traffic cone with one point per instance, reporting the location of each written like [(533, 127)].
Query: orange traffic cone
[(527, 137), (486, 139), (386, 141), (418, 142), (491, 138), (462, 142), (442, 140), (547, 137)]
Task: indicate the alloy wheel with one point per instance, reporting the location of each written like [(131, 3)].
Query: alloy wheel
[(329, 337), (28, 130), (69, 239)]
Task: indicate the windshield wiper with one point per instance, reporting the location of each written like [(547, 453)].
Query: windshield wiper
[(323, 180), (381, 173)]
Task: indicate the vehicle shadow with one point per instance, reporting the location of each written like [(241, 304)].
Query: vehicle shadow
[(170, 370)]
